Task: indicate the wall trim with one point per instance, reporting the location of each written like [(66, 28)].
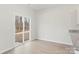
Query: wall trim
[(5, 50), (57, 42)]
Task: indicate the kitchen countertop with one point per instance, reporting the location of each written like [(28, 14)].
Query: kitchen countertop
[(74, 31)]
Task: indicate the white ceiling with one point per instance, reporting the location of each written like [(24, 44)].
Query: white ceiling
[(42, 6)]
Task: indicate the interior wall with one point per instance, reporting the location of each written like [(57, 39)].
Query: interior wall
[(49, 24), (54, 24), (7, 24)]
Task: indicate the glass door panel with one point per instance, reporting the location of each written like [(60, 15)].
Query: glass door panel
[(26, 24), (19, 29)]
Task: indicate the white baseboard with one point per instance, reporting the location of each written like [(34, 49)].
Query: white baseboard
[(6, 50), (35, 39), (56, 42)]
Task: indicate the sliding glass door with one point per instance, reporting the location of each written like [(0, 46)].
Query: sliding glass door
[(22, 27)]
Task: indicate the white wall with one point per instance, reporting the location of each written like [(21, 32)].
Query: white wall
[(7, 24), (49, 24), (54, 24)]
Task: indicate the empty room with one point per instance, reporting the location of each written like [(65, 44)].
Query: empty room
[(39, 28)]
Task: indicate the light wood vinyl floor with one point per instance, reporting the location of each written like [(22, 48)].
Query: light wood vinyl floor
[(42, 47)]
